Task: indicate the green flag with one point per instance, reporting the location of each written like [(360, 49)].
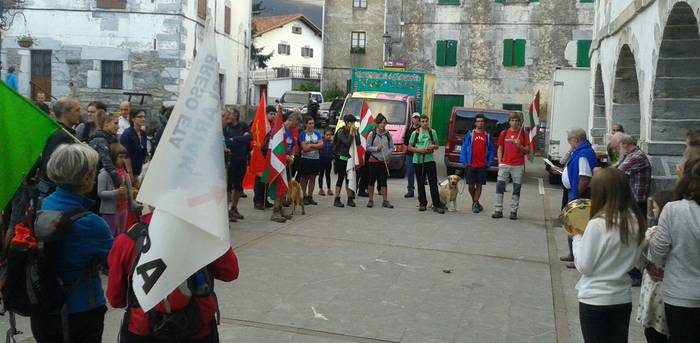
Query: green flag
[(24, 130)]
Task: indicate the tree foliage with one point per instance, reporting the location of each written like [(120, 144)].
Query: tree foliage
[(256, 54)]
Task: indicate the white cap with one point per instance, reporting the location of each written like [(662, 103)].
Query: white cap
[(415, 114)]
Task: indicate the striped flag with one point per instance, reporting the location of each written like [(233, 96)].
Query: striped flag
[(275, 175), (534, 124), (367, 125)]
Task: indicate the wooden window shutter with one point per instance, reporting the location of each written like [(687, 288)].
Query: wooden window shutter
[(227, 19), (507, 52), (202, 9), (451, 53), (582, 59), (111, 4), (440, 58), (520, 52)]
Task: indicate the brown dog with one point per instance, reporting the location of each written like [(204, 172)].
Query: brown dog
[(449, 191), (295, 196)]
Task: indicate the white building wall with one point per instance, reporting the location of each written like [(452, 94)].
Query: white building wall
[(308, 38)]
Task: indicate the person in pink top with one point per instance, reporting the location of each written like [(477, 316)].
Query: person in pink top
[(512, 147)]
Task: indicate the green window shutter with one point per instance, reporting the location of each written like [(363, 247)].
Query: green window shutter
[(533, 0), (520, 52), (501, 1), (507, 52), (440, 53), (513, 107), (451, 53), (586, 1), (582, 59), (448, 2)]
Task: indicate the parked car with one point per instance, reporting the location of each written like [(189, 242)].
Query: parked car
[(298, 99), (332, 111), (461, 121)]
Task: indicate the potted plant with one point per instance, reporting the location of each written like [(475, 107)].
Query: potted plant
[(25, 41)]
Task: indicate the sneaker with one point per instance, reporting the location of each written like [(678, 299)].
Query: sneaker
[(243, 195), (570, 265), (408, 195), (475, 208), (259, 207), (238, 214), (387, 204), (481, 208), (513, 215), (285, 215), (277, 216), (312, 201), (306, 201), (422, 208), (370, 203), (232, 218), (497, 214), (439, 210), (351, 202), (338, 203), (567, 258), (330, 192), (268, 205), (321, 192)]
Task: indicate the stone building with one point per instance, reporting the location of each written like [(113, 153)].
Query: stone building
[(108, 49), (483, 53), (645, 75)]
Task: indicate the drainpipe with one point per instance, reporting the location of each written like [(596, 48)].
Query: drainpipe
[(246, 49)]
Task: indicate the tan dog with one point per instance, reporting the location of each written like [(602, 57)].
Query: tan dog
[(295, 196), (449, 191)]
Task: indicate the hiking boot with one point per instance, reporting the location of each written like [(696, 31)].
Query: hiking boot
[(238, 214), (330, 192), (475, 208), (321, 192), (363, 194), (408, 195), (497, 214), (268, 204), (232, 218), (277, 216), (351, 202), (260, 207), (306, 201), (570, 265), (567, 258), (285, 214), (370, 203), (439, 210), (387, 204), (481, 208), (422, 208), (338, 203), (243, 195), (513, 215), (311, 201)]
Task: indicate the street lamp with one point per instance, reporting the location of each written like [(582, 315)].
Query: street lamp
[(387, 44)]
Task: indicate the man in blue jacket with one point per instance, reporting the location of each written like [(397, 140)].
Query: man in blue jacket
[(477, 156)]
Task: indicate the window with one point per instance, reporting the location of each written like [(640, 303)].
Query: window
[(514, 52), (296, 30), (359, 3), (448, 2), (202, 9), (112, 74), (446, 54), (582, 59), (586, 1), (283, 49), (307, 52), (358, 42), (227, 19), (513, 107), (111, 4), (516, 1)]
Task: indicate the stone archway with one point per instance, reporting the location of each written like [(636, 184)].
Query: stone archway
[(625, 108), (675, 106), (600, 124)]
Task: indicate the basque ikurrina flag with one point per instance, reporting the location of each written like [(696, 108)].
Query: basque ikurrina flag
[(367, 125), (275, 175), (534, 124)]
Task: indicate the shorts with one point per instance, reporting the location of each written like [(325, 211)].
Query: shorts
[(309, 167), (476, 176), (377, 172), (236, 173)]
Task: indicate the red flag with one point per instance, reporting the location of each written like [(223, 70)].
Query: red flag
[(260, 129)]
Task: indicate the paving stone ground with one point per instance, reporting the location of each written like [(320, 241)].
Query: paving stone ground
[(379, 275)]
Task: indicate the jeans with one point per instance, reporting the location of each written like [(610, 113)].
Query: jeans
[(410, 174), (84, 327), (683, 323), (504, 173), (259, 196), (605, 324), (423, 171)]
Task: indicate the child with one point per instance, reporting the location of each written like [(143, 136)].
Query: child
[(327, 157), (650, 312), (116, 201)]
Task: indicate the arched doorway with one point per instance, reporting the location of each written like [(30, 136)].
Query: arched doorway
[(600, 125), (676, 98), (625, 108)]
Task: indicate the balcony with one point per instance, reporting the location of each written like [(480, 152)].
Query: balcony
[(292, 72)]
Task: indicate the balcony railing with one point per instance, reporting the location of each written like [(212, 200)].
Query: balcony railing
[(293, 72)]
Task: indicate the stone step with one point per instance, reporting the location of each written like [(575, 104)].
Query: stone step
[(668, 108), (679, 67), (672, 87), (682, 31), (680, 48), (671, 130)]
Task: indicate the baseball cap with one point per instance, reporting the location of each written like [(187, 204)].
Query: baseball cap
[(349, 118), (415, 114)]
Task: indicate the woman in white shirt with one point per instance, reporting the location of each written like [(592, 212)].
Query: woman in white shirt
[(605, 253)]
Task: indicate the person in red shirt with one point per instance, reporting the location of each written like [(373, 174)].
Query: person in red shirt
[(477, 156), (512, 147), (138, 330)]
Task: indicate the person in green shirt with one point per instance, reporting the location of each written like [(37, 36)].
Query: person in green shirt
[(422, 143)]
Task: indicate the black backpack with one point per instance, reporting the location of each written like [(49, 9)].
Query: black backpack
[(177, 325)]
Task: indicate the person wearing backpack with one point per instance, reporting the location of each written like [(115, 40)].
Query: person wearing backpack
[(422, 145), (75, 258), (196, 295), (379, 146)]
